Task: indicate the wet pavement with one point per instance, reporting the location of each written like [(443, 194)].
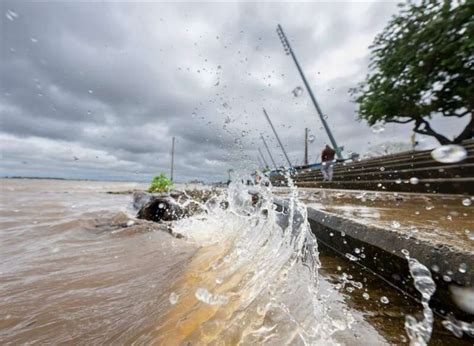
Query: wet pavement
[(381, 305), (446, 220)]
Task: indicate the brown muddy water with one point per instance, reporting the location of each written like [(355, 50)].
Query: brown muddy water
[(76, 267)]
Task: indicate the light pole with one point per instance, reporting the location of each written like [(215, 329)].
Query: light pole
[(289, 51), (172, 158), (306, 146), (269, 153), (263, 158), (278, 138), (260, 163)]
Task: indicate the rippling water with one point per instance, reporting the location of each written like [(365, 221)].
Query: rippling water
[(77, 267)]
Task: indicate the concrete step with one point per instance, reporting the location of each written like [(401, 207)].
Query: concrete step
[(469, 146), (448, 171), (464, 186), (400, 157), (393, 167)]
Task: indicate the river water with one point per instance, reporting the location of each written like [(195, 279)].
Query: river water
[(77, 267)]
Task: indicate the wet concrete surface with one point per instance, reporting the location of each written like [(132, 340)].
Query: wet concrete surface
[(365, 292), (374, 229), (446, 220)]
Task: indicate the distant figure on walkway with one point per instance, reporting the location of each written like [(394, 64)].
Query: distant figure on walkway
[(327, 158)]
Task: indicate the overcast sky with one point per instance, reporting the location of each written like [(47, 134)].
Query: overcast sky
[(97, 90)]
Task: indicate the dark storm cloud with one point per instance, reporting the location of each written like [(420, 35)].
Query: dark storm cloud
[(99, 89)]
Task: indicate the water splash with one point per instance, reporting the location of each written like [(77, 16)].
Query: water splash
[(254, 258), (419, 332), (449, 153), (378, 128), (298, 91)]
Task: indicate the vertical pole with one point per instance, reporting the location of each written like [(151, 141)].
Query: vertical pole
[(306, 146), (278, 138), (286, 45), (268, 150), (172, 158), (260, 164), (263, 158)]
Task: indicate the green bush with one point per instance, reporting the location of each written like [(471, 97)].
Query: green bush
[(160, 183)]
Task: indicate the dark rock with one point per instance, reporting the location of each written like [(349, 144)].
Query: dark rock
[(165, 206)]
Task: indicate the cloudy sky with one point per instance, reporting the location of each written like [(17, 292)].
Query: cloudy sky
[(97, 90)]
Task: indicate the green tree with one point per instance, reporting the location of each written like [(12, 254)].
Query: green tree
[(160, 184), (422, 64)]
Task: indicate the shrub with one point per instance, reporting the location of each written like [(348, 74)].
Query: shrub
[(160, 183)]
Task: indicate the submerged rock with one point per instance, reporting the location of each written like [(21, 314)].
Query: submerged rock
[(170, 206)]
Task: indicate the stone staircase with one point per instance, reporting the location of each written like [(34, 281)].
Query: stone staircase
[(412, 171)]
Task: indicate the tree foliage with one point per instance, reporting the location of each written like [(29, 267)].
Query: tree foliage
[(422, 64), (160, 184)]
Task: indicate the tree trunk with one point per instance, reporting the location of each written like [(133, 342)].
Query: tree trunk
[(428, 131)]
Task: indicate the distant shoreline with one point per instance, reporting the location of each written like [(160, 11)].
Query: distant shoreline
[(69, 179), (97, 180)]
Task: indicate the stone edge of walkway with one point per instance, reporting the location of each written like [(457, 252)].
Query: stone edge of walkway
[(383, 255)]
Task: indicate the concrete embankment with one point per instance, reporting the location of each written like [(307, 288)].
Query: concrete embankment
[(382, 247), (412, 171)]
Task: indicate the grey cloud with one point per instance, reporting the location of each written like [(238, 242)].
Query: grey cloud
[(118, 80)]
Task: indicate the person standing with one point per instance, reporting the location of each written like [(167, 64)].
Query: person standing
[(327, 158)]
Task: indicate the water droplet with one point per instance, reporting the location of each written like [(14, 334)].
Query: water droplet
[(398, 181), (466, 202), (34, 40), (419, 332), (297, 91), (173, 298), (405, 252), (351, 257), (161, 205), (435, 268), (449, 153), (205, 296), (462, 268), (395, 224), (463, 297), (382, 169), (447, 278), (90, 91), (384, 300), (414, 180), (11, 15), (366, 296), (357, 250), (311, 138), (378, 128)]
